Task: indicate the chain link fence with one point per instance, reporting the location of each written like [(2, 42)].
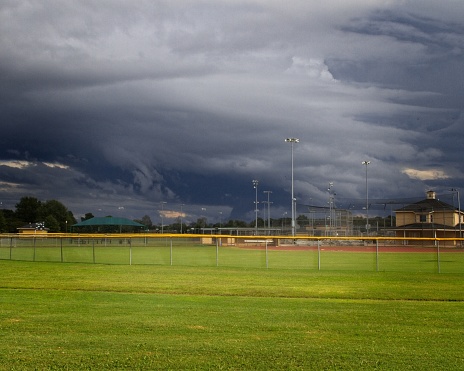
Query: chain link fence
[(438, 255)]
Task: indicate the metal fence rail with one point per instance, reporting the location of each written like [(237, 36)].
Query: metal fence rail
[(437, 255)]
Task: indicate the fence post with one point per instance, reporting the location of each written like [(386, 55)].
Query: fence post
[(171, 253), (267, 259), (319, 255), (11, 247), (217, 252), (61, 249), (93, 250), (33, 258), (130, 251), (438, 256), (377, 255)]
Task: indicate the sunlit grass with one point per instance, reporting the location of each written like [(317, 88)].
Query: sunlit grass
[(87, 316)]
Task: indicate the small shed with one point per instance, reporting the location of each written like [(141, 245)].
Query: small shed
[(33, 228)]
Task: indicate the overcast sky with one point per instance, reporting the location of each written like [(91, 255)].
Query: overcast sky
[(113, 107)]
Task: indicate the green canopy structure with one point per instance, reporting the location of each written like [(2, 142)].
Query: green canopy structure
[(108, 222)]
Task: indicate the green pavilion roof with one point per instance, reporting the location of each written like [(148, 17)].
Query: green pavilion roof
[(108, 220)]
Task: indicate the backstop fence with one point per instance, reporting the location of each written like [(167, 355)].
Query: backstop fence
[(434, 255)]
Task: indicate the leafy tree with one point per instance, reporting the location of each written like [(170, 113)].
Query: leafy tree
[(52, 224), (31, 210), (59, 212), (252, 224), (177, 226), (28, 209), (201, 222), (12, 221), (87, 216), (235, 224), (146, 221), (70, 221), (302, 221), (3, 225)]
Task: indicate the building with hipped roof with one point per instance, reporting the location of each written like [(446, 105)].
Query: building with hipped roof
[(430, 218)]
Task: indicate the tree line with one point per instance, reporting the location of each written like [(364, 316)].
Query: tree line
[(55, 216)]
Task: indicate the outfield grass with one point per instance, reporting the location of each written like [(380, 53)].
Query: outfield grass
[(95, 316), (187, 253)]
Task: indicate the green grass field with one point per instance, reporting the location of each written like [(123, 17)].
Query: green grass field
[(98, 316)]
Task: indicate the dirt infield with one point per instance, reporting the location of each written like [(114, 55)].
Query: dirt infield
[(360, 248)]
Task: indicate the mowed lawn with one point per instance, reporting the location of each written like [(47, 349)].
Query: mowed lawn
[(95, 316)]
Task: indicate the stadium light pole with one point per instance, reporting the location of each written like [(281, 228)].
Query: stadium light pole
[(292, 141), (162, 216), (331, 207), (367, 198), (255, 186), (181, 216), (268, 209), (203, 217)]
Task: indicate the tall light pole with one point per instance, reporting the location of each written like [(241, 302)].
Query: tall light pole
[(268, 209), (255, 186), (181, 216), (367, 198), (203, 219), (162, 216), (331, 208), (292, 141)]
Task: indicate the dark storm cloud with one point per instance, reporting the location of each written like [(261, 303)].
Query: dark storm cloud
[(115, 107)]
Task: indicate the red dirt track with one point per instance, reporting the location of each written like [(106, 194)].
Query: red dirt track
[(370, 248)]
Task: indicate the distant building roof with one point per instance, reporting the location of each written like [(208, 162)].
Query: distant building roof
[(424, 226), (108, 220), (427, 205), (33, 227)]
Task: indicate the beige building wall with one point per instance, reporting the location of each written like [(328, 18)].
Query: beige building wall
[(405, 218), (446, 218), (449, 218)]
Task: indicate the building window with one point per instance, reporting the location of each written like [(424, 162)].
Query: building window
[(423, 218)]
